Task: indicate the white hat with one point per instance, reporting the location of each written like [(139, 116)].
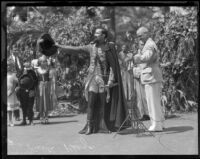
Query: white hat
[(141, 31)]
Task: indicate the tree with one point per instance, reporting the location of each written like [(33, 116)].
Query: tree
[(175, 34)]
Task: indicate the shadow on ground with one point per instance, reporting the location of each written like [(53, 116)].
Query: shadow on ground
[(177, 129), (56, 116), (60, 122), (63, 116), (169, 130), (172, 116), (52, 122)]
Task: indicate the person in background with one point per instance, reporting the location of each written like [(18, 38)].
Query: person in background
[(12, 101), (139, 88), (26, 92), (124, 72), (18, 69), (129, 39), (44, 89), (35, 66), (53, 79), (151, 78)]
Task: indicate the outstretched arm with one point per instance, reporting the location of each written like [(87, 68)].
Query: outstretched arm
[(74, 50)]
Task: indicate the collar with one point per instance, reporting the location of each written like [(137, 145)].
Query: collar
[(106, 47)]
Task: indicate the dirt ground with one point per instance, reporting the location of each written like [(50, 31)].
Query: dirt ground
[(61, 137)]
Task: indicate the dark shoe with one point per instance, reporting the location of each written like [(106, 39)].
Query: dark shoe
[(89, 128), (17, 119), (46, 121), (22, 123), (31, 123), (83, 130), (145, 117), (42, 121)]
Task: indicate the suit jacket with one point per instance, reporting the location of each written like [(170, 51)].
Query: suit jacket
[(151, 72)]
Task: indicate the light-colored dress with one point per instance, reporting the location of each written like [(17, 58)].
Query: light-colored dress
[(126, 77), (140, 92), (44, 93), (53, 97), (12, 101)]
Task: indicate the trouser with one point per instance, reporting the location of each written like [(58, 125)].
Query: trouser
[(44, 98), (153, 96), (26, 104), (92, 102), (16, 113), (92, 98)]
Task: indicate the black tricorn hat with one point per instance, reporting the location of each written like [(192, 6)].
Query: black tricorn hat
[(46, 45), (27, 81)]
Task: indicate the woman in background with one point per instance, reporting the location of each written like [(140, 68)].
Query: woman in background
[(44, 89), (35, 66), (12, 101), (53, 79), (126, 77)]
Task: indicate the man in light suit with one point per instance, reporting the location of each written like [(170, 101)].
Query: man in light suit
[(151, 78)]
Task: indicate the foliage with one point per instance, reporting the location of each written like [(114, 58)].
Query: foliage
[(176, 38), (67, 26), (175, 34)]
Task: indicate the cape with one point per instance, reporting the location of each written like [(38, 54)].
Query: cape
[(116, 109)]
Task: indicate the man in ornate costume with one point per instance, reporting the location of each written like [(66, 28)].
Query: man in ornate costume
[(104, 114)]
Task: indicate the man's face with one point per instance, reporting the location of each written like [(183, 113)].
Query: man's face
[(143, 37), (124, 48), (98, 35)]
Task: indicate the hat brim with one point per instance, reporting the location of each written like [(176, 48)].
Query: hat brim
[(47, 45), (49, 52)]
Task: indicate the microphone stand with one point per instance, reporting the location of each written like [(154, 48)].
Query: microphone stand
[(134, 119)]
